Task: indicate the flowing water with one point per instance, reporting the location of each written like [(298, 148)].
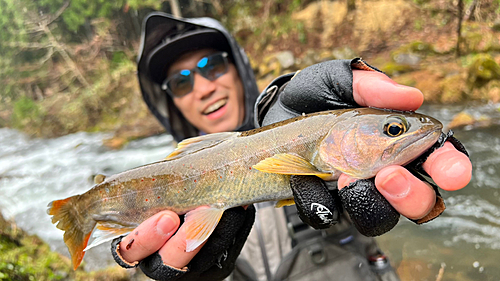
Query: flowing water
[(463, 243), (34, 172)]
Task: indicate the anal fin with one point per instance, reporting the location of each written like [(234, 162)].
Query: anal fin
[(200, 223)]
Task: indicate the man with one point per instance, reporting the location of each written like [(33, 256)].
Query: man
[(196, 80)]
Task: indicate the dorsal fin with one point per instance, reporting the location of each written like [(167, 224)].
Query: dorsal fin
[(192, 145)]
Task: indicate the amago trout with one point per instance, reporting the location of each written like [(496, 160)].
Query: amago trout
[(231, 169)]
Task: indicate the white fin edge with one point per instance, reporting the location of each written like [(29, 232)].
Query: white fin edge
[(100, 236)]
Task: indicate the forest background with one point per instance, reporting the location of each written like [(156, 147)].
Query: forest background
[(68, 66)]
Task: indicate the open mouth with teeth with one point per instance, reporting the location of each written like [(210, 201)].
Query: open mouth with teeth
[(216, 106)]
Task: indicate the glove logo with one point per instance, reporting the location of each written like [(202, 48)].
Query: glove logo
[(322, 212)]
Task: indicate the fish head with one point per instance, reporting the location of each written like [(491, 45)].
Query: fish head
[(371, 139)]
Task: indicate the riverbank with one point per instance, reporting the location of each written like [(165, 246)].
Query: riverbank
[(25, 257), (413, 42)]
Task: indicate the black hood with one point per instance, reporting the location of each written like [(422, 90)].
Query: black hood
[(183, 34)]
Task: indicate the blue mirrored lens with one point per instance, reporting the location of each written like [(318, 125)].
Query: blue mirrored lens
[(211, 67), (203, 62)]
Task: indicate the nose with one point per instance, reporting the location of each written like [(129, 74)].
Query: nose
[(203, 87)]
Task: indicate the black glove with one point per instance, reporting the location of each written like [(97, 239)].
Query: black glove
[(326, 86), (216, 259)]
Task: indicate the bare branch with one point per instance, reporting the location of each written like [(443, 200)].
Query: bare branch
[(58, 13), (47, 56), (27, 45)]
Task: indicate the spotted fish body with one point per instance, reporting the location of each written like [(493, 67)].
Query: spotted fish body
[(231, 169)]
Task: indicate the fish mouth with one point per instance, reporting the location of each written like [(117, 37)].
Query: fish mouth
[(421, 142), (215, 106)]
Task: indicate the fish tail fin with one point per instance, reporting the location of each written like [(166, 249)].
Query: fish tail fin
[(77, 227)]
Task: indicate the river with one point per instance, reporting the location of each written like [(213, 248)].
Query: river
[(464, 242)]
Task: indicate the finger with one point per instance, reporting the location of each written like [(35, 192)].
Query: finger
[(449, 168), (411, 197), (174, 252), (149, 236), (375, 89)]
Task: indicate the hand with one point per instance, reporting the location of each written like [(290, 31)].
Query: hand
[(158, 246), (449, 168), (337, 85)]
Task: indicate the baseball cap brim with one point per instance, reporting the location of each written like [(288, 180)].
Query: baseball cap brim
[(167, 53)]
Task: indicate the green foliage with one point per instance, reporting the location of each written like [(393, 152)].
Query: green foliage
[(482, 70), (26, 257), (417, 47), (26, 111), (140, 4), (421, 2), (302, 34), (80, 11)]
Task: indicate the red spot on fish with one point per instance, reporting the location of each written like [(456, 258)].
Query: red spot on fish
[(158, 197), (194, 180), (142, 180), (146, 200), (153, 179), (221, 177), (250, 168)]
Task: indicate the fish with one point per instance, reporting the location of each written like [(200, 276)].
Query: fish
[(230, 169)]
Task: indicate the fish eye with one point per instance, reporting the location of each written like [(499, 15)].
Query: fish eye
[(395, 126)]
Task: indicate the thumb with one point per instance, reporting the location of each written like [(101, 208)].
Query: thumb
[(376, 89)]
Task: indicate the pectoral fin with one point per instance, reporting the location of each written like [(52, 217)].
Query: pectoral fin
[(200, 223), (289, 164), (284, 202)]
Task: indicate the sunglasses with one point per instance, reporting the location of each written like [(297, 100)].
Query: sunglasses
[(181, 83)]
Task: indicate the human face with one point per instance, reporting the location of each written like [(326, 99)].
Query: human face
[(212, 106)]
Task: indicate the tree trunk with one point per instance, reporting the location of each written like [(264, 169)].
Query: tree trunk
[(351, 5), (176, 11), (469, 15), (459, 27)]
